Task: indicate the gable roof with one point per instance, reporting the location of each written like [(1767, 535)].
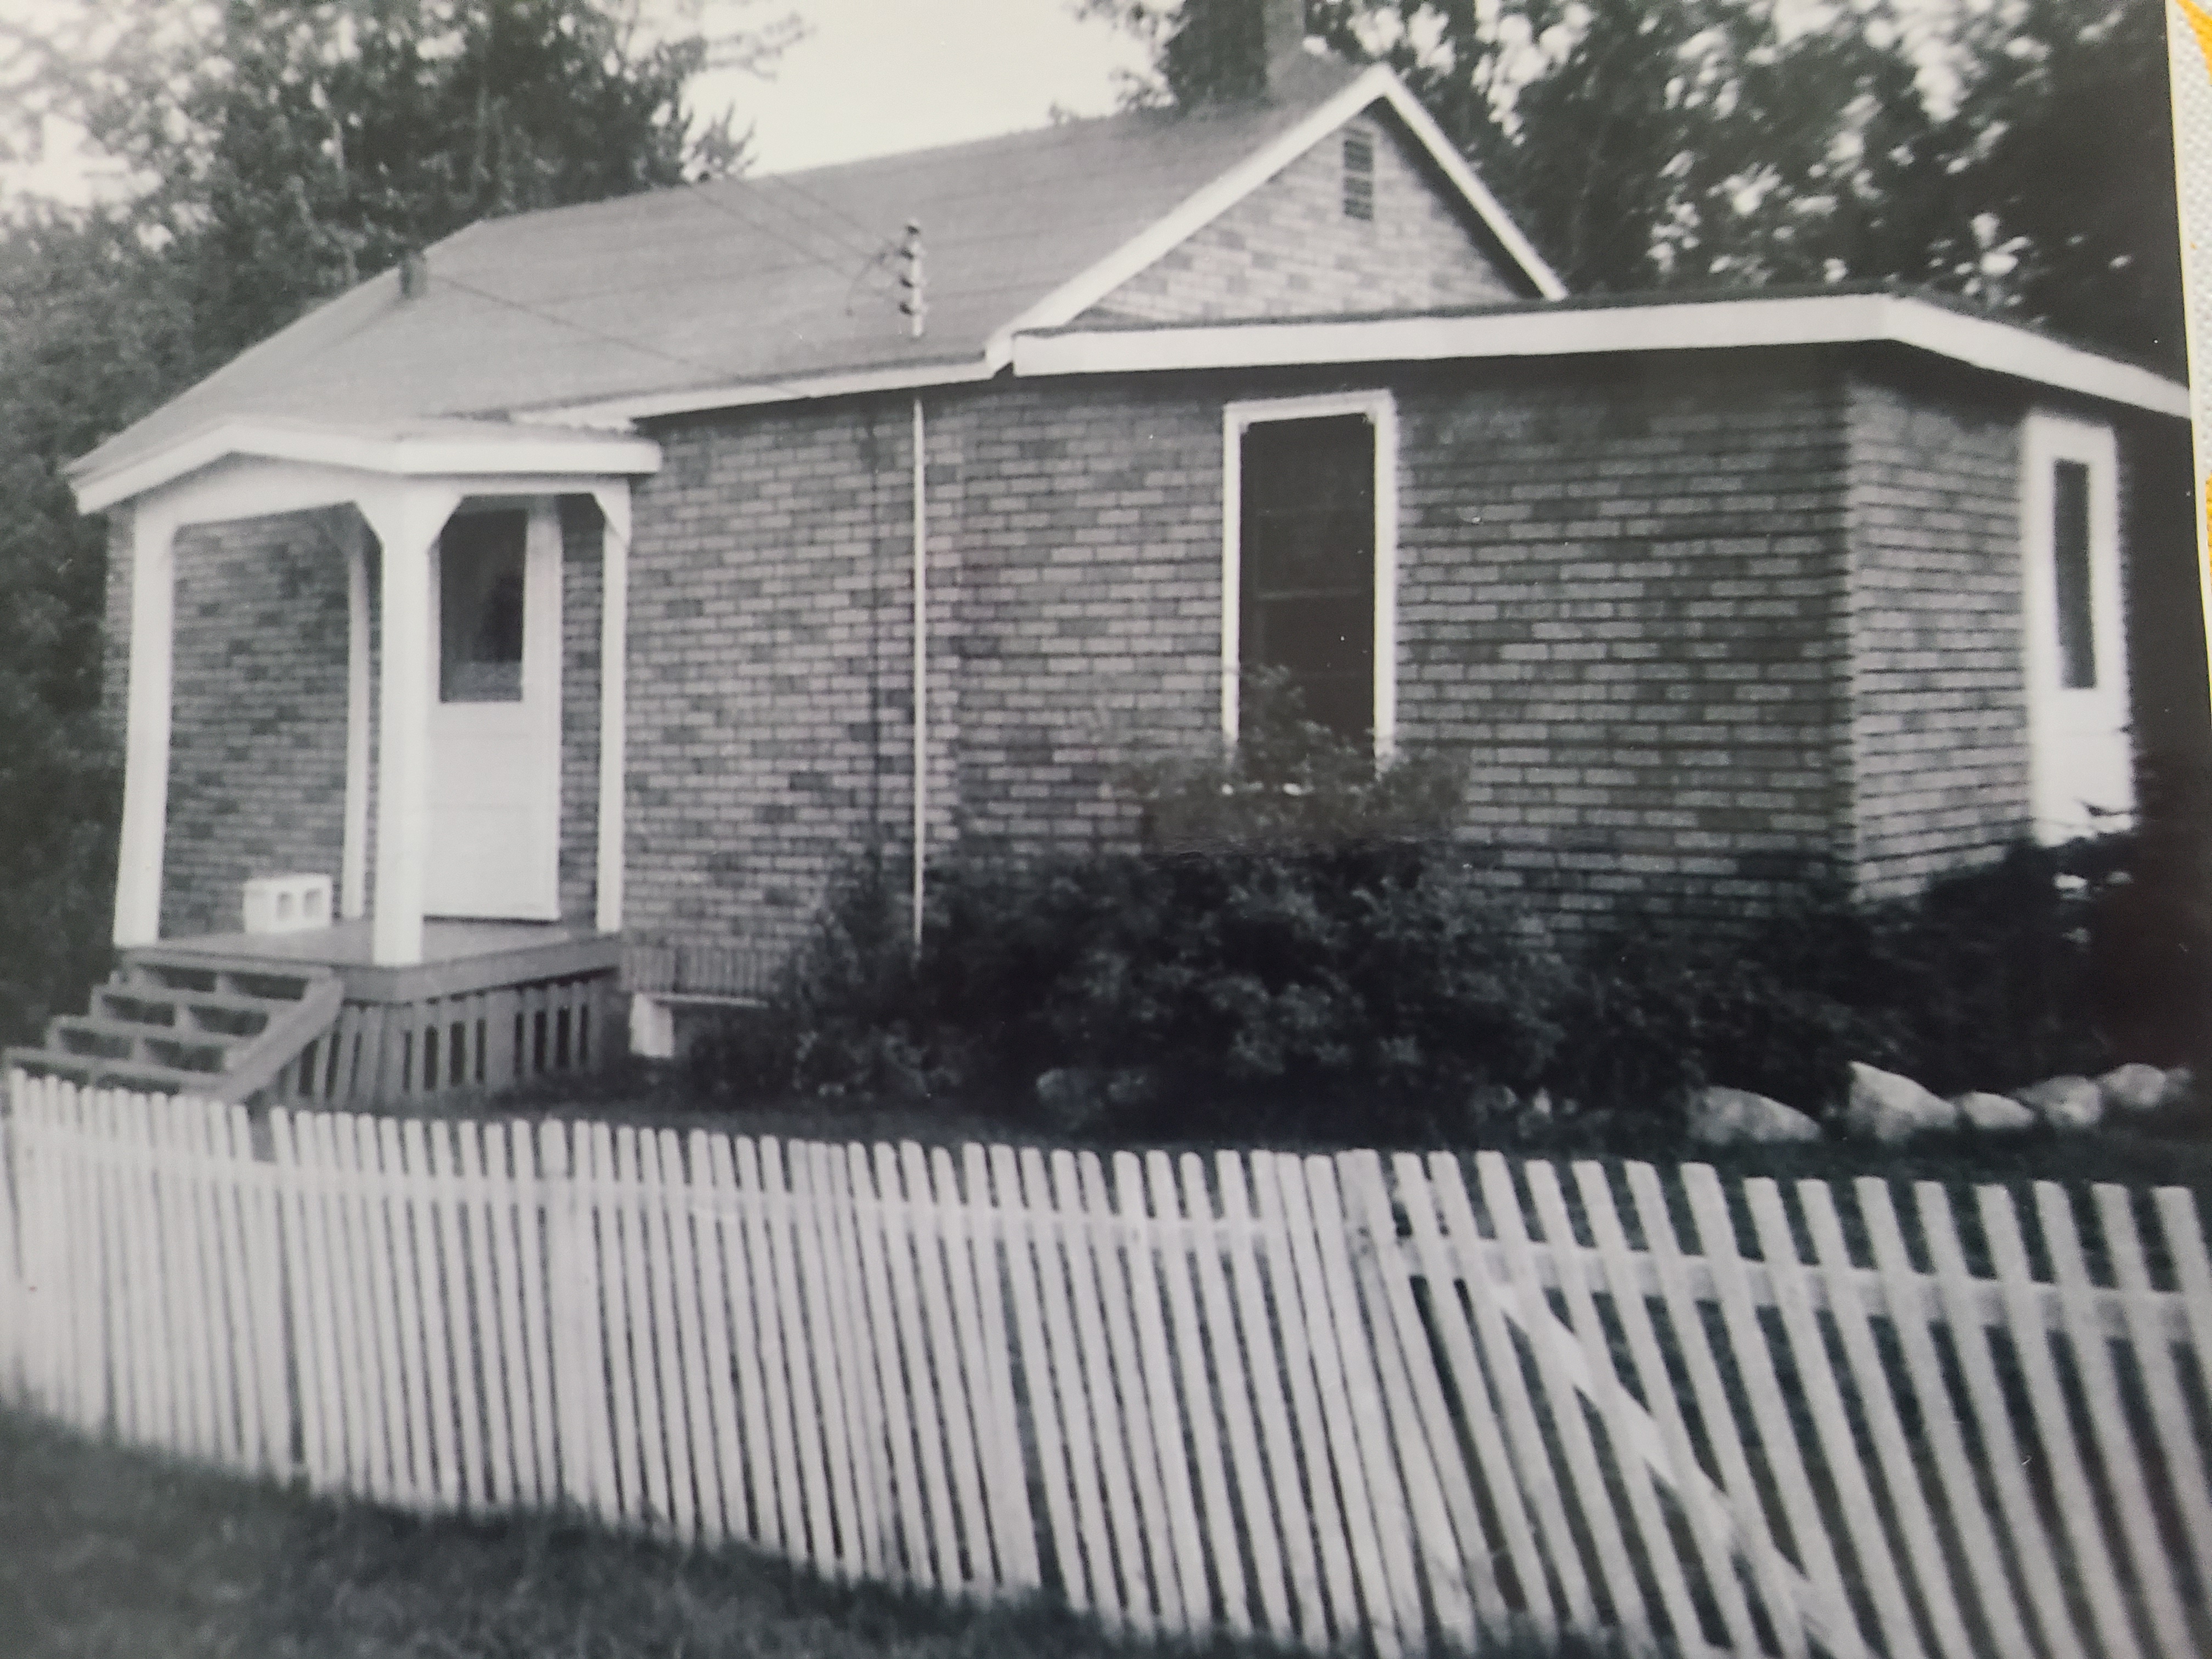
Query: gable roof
[(728, 293)]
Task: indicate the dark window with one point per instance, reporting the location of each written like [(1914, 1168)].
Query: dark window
[(1307, 582), (1358, 174), (480, 608), (2069, 560)]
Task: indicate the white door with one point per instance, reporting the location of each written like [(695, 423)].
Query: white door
[(495, 795)]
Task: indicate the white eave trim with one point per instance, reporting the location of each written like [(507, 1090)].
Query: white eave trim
[(503, 452), (1376, 84), (1690, 325), (617, 412)]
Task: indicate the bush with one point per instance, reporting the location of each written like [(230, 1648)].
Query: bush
[(1301, 949)]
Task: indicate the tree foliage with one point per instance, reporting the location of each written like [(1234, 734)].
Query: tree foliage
[(277, 151), (2017, 153)]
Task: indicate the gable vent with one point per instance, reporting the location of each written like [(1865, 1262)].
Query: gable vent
[(1359, 174)]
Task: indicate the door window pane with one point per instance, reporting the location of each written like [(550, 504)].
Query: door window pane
[(480, 608)]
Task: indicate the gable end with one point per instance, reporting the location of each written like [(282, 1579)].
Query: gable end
[(1362, 221)]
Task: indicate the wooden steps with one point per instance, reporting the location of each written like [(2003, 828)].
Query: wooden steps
[(173, 1021)]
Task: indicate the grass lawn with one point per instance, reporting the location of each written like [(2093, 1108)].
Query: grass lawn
[(110, 1552)]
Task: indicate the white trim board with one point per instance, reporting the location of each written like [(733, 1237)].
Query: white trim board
[(496, 451), (1573, 331)]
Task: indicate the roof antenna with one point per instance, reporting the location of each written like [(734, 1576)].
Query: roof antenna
[(915, 303)]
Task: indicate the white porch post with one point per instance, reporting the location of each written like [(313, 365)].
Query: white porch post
[(146, 747), (614, 674), (407, 521)]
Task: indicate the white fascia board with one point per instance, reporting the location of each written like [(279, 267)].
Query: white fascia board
[(1464, 178), (1691, 325), (442, 455), (619, 413)]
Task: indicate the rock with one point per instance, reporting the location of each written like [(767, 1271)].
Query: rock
[(2134, 1087), (1730, 1117), (1891, 1110), (1995, 1114), (2065, 1102), (2180, 1087)]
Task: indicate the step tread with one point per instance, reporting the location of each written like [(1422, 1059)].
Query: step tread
[(185, 1005)]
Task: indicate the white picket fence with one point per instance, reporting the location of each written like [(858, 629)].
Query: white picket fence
[(1339, 1402)]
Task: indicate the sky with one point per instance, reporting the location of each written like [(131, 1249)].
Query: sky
[(871, 77)]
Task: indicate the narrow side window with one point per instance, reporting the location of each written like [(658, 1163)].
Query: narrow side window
[(2070, 575), (1306, 580)]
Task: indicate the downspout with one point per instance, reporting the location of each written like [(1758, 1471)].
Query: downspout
[(920, 670)]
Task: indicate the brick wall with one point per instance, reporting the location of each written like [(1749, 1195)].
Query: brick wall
[(769, 680), (1620, 594), (1289, 249), (257, 747), (1939, 727), (582, 586), (1621, 598)]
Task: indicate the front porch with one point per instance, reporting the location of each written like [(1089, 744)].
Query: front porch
[(311, 1018)]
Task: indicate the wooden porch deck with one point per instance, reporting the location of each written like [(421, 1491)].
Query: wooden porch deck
[(492, 1005), (458, 957)]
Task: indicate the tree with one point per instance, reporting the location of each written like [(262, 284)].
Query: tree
[(281, 151)]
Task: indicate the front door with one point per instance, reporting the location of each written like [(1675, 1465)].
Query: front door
[(495, 785)]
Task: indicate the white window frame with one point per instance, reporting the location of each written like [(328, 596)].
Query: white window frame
[(2079, 750), (1381, 410)]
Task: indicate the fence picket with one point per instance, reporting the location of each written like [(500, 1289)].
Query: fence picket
[(1616, 1570), (1623, 1424), (397, 1205), (668, 1428), (875, 1193), (1924, 1550), (710, 1185), (639, 1404), (1704, 1507), (760, 1231), (1996, 1597), (1184, 1239), (1087, 1557), (2022, 1519), (1155, 1589), (963, 1363), (2108, 1426), (1831, 1431), (1013, 1524), (1762, 1387), (526, 1201), (2177, 1450), (857, 1457), (458, 1337), (1170, 1514), (758, 1485), (2031, 1343), (1255, 1497), (691, 1242)]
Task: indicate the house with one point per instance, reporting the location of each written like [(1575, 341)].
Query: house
[(574, 601)]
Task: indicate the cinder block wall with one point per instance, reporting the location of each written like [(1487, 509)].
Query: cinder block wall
[(1939, 696), (256, 745)]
